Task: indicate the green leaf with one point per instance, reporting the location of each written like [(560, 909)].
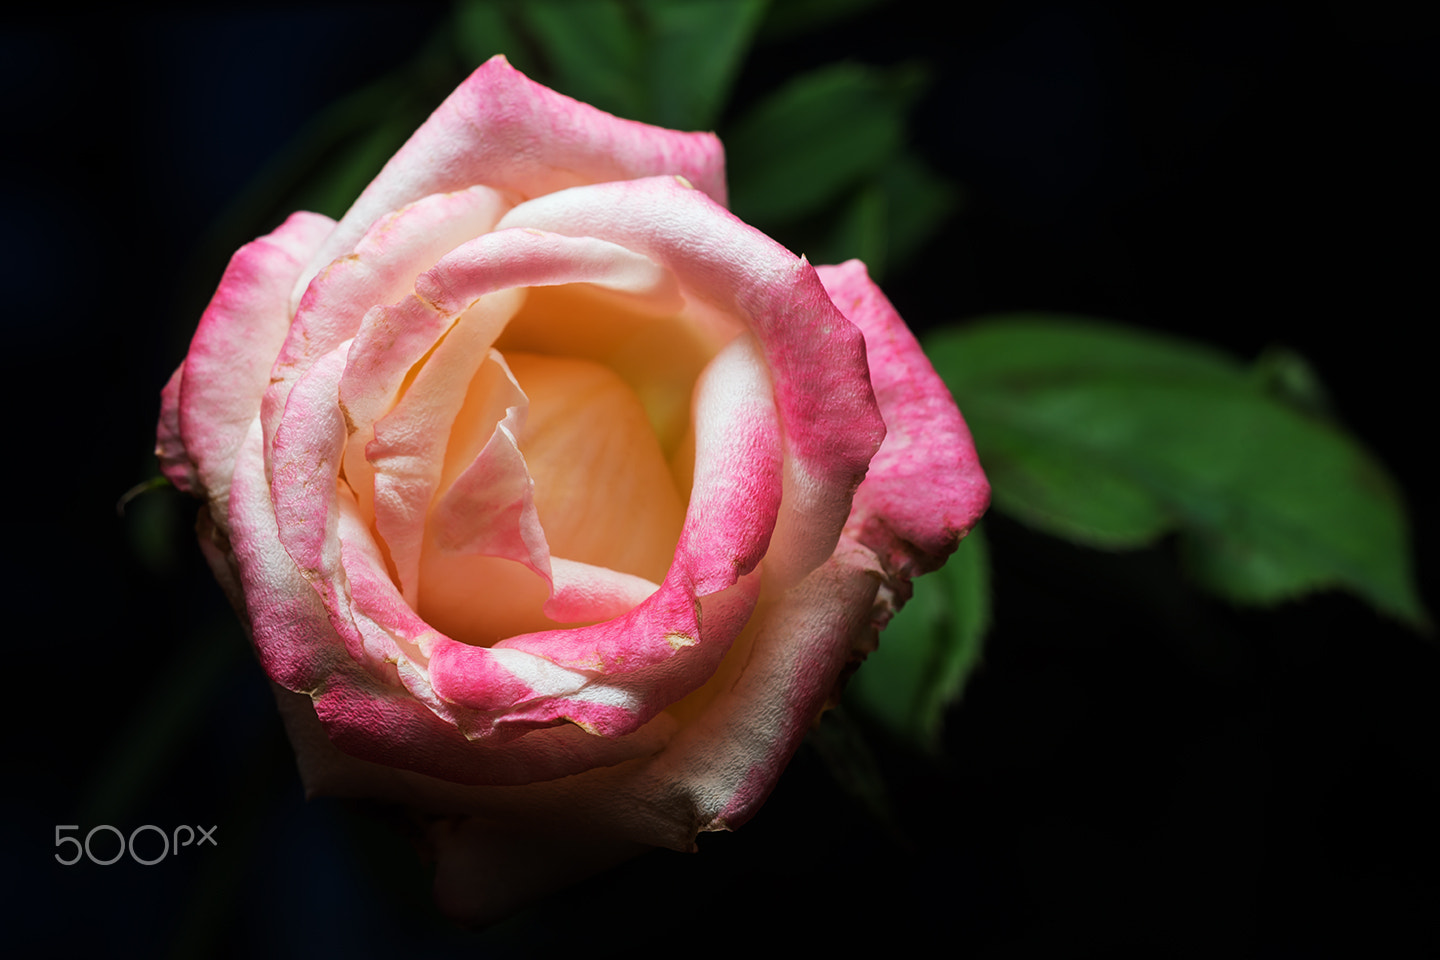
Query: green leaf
[(787, 18), (818, 136), (884, 222), (483, 29), (930, 649), (696, 48), (918, 201), (1112, 437), (1287, 376), (335, 185), (666, 62), (594, 51), (856, 227)]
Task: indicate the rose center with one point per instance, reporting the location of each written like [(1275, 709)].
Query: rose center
[(603, 492)]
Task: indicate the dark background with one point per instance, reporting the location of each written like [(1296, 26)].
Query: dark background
[(1137, 769)]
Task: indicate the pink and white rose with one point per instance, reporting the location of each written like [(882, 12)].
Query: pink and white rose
[(555, 495)]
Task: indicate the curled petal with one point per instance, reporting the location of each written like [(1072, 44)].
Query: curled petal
[(736, 494), (309, 444), (925, 488), (169, 447), (381, 269), (228, 366), (292, 633), (733, 505), (711, 775), (407, 451), (816, 356), (503, 129), (489, 509), (583, 591), (404, 438), (392, 339), (382, 727)]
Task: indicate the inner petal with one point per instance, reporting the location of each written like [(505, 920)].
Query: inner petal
[(603, 488), (653, 344), (480, 600)]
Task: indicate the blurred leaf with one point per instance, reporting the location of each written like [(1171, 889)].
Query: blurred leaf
[(152, 512), (337, 153), (884, 222), (1288, 377), (798, 150), (790, 17), (666, 62), (850, 761), (696, 48), (855, 228), (163, 720), (1112, 437), (483, 28), (352, 169), (593, 51), (930, 648), (919, 202)]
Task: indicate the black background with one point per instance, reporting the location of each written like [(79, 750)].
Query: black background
[(1137, 770)]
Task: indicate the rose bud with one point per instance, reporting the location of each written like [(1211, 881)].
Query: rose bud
[(557, 499)]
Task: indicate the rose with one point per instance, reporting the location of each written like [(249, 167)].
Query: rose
[(538, 480)]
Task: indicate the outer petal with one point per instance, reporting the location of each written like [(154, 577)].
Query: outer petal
[(228, 366), (816, 356), (734, 755), (925, 488), (502, 129), (169, 448), (362, 714), (712, 775)]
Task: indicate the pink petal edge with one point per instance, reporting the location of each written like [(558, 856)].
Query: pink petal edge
[(925, 488), (816, 357), (228, 366), (502, 129)]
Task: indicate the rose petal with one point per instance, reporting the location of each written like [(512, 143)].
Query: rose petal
[(228, 366), (392, 339), (712, 775), (583, 591), (925, 488), (169, 448), (309, 444), (409, 442), (406, 451), (735, 497), (489, 509), (503, 129), (381, 269), (733, 505), (376, 722), (816, 356)]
